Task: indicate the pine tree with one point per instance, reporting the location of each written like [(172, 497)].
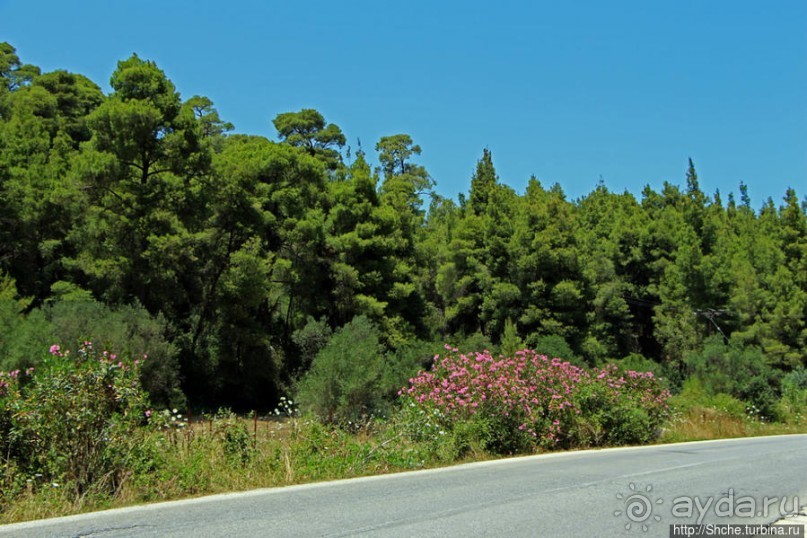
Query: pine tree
[(482, 183)]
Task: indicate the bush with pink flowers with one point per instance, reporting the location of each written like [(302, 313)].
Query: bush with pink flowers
[(528, 401), (73, 423)]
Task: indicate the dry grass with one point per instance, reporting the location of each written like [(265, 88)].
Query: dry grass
[(203, 458), (236, 454), (699, 424)]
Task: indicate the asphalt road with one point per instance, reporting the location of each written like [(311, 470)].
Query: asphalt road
[(585, 493)]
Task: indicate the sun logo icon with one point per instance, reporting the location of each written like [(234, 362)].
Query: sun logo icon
[(638, 506)]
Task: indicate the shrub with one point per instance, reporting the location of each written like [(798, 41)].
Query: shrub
[(235, 438), (554, 345), (16, 329), (793, 405), (310, 339), (694, 395), (741, 372), (402, 363), (75, 420), (472, 343), (795, 380), (640, 363), (344, 383), (530, 401), (510, 341), (129, 330)]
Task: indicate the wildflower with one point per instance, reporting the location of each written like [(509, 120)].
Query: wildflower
[(54, 349)]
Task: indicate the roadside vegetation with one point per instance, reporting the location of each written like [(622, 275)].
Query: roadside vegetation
[(228, 274), (79, 432)]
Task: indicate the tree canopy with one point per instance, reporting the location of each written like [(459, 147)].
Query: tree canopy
[(249, 253)]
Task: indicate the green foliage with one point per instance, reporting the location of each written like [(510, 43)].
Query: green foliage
[(235, 439), (554, 345), (638, 363), (474, 342), (394, 151), (793, 405), (618, 419), (101, 408), (695, 395), (25, 338), (510, 340), (310, 339), (129, 330), (11, 321), (307, 129), (740, 372), (404, 362), (344, 383), (795, 380), (482, 183), (233, 243)]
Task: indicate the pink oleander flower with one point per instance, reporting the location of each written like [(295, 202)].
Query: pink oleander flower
[(541, 395)]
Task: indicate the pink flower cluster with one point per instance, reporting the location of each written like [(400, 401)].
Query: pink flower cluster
[(86, 351), (539, 395)]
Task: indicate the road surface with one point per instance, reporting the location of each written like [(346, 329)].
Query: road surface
[(636, 491)]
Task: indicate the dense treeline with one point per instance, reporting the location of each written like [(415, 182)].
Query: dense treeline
[(232, 259)]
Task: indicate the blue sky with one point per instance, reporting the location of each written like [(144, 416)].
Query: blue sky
[(567, 91)]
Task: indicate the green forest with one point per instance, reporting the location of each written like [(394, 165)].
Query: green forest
[(137, 219)]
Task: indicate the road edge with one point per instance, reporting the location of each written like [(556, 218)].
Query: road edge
[(147, 507)]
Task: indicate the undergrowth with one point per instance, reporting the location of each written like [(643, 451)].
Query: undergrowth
[(109, 448)]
